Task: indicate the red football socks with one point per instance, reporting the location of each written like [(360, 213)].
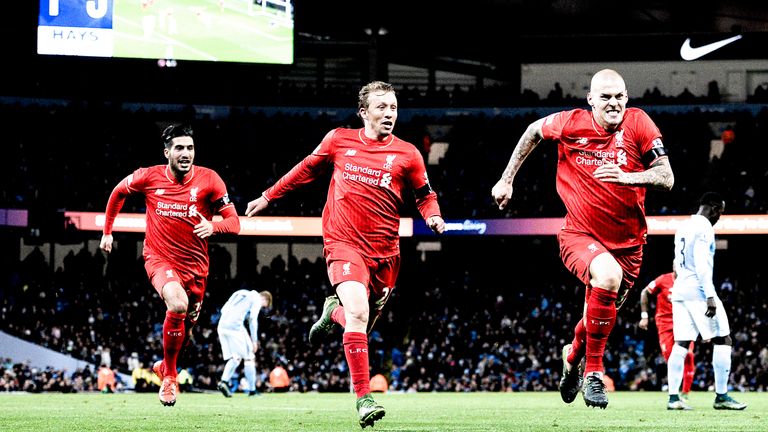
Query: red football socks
[(338, 317), (578, 345), (601, 317), (356, 351), (689, 372), (173, 340)]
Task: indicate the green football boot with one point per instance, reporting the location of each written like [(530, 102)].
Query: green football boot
[(725, 402), (368, 410), (324, 325)]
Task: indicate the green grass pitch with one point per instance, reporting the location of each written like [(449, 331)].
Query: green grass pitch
[(635, 411), (203, 31)]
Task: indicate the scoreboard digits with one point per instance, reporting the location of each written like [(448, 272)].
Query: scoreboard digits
[(75, 27)]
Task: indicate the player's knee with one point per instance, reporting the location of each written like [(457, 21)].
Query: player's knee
[(175, 298), (608, 281), (178, 306), (356, 312), (606, 272)]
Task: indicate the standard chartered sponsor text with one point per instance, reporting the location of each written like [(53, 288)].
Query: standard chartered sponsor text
[(361, 174), (596, 158), (172, 209)]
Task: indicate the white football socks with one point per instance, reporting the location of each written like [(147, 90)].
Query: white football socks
[(229, 369), (721, 362), (675, 366), (250, 374)]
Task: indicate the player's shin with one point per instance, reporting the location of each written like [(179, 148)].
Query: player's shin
[(689, 372), (675, 367), (600, 319), (249, 368), (721, 363), (338, 316), (578, 345), (229, 369), (356, 352), (173, 340)]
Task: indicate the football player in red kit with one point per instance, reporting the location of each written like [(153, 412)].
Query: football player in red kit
[(607, 157), (372, 169), (181, 199)]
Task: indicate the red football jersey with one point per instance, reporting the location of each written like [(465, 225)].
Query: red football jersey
[(365, 193), (173, 209), (613, 214), (660, 287)]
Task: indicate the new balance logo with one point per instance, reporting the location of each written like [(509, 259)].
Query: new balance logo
[(592, 247), (350, 152), (159, 191), (169, 273), (582, 141)]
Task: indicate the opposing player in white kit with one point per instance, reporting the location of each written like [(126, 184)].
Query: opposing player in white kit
[(236, 342), (696, 309)]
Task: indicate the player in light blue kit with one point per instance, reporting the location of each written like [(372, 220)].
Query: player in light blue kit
[(236, 342), (696, 309)]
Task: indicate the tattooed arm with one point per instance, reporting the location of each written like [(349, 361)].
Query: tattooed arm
[(502, 191), (658, 176)]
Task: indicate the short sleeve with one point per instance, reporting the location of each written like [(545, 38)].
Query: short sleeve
[(553, 126)]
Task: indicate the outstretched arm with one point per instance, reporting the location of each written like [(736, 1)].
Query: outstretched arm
[(114, 204), (304, 172), (502, 191), (659, 175)]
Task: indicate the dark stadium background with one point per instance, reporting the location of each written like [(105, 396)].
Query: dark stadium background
[(469, 317)]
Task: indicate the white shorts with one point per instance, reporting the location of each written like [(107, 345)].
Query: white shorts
[(689, 320), (236, 343)]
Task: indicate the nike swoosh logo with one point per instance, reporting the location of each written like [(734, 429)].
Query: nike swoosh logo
[(687, 52)]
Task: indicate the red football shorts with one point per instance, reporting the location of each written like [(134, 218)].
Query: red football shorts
[(666, 338), (161, 272), (577, 250), (378, 275)]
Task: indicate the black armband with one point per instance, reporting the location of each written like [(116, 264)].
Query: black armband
[(653, 154), (220, 203), (423, 191)]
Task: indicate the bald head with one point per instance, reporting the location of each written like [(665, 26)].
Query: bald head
[(606, 77)]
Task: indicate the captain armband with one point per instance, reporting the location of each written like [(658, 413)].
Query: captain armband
[(423, 191), (221, 202), (653, 154)]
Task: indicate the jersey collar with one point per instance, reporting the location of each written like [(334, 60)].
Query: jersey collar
[(171, 178), (372, 142)]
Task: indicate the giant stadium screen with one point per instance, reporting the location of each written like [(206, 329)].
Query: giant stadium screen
[(245, 31)]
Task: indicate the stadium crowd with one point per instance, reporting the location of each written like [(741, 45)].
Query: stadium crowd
[(451, 326)]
